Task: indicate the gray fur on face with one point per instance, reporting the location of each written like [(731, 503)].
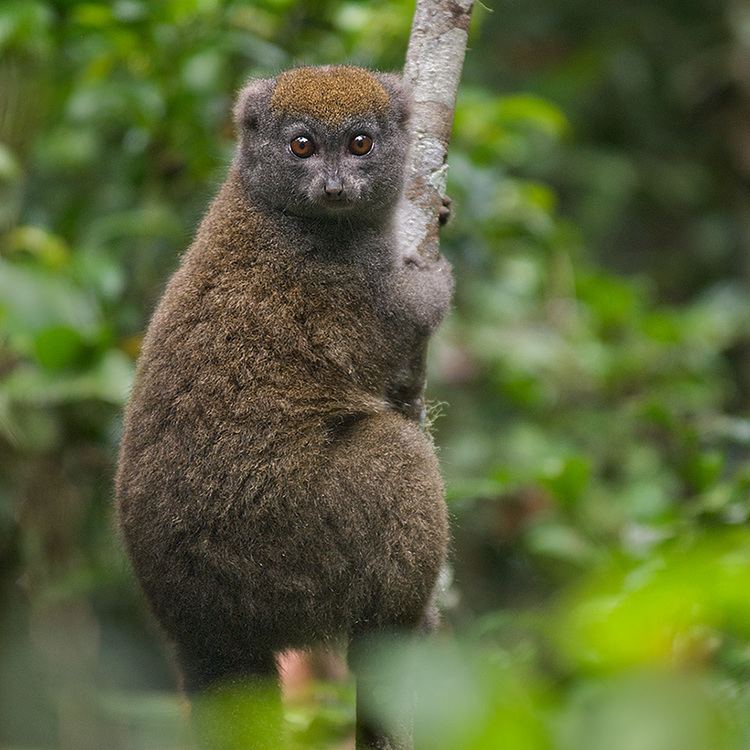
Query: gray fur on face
[(273, 176)]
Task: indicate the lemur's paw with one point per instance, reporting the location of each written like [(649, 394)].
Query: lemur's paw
[(445, 211)]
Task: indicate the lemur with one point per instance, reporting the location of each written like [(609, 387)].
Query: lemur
[(275, 488)]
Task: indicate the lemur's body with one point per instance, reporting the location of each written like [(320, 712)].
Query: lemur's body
[(274, 489)]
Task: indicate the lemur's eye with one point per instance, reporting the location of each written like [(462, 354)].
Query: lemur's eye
[(360, 145), (302, 146)]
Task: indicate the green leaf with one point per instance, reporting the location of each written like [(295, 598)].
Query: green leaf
[(568, 478), (50, 249), (107, 380), (58, 347), (10, 169), (24, 22)]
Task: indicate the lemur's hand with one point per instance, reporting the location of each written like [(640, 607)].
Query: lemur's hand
[(445, 211)]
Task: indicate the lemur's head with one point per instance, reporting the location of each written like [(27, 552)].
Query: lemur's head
[(324, 141)]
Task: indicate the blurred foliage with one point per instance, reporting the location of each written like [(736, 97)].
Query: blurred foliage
[(595, 371)]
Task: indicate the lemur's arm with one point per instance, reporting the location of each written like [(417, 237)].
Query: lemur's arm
[(426, 287)]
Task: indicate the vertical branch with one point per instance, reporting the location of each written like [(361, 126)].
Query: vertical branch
[(434, 59), (437, 46)]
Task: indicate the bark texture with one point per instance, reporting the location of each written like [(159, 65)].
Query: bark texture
[(434, 60)]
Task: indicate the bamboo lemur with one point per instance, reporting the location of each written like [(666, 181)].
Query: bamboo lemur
[(275, 489)]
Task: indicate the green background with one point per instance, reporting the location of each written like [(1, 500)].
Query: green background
[(590, 388)]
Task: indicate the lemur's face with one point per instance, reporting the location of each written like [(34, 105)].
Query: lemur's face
[(319, 169), (329, 142)]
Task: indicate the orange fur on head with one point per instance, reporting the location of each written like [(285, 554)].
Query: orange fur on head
[(330, 94)]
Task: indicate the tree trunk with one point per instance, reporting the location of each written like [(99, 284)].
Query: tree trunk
[(434, 59), (437, 46)]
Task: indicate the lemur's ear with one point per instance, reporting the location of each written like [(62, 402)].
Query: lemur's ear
[(251, 102), (398, 94)]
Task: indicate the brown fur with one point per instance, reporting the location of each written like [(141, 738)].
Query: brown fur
[(330, 94), (272, 490)]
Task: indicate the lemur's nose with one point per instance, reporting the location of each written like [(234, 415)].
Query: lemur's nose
[(334, 186)]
